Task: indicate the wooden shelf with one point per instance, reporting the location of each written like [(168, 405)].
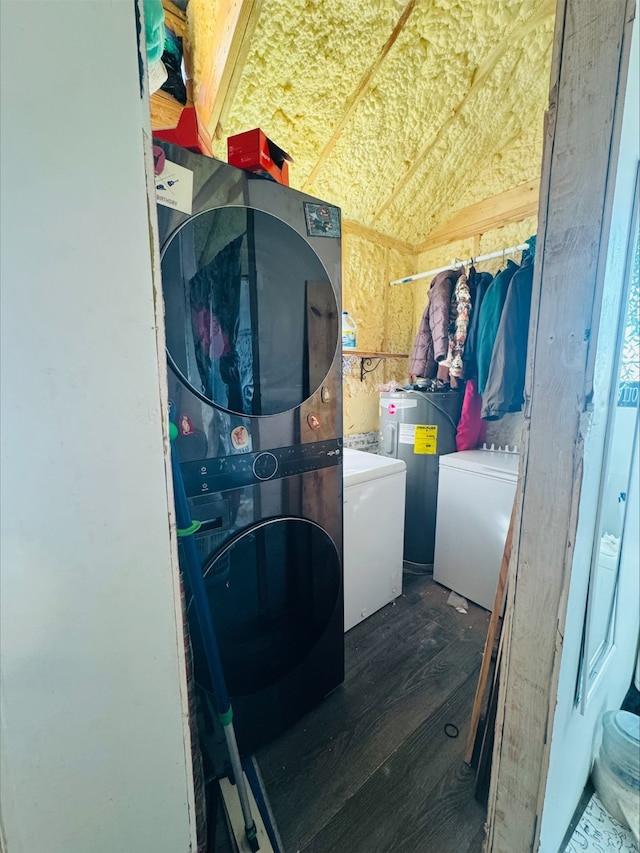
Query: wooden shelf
[(165, 110), (361, 353), (367, 357)]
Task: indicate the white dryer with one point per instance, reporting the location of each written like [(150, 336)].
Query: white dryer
[(374, 496)]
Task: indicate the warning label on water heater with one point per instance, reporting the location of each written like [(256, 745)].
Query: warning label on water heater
[(407, 433), (426, 439)]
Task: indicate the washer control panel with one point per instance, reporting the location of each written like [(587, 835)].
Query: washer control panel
[(246, 469), (265, 466)]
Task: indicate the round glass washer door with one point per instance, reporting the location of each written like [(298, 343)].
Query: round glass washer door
[(250, 313), (272, 592)]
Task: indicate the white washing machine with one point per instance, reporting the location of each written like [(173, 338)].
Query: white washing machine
[(374, 496), (475, 496)]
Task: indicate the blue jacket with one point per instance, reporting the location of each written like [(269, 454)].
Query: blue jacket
[(489, 320)]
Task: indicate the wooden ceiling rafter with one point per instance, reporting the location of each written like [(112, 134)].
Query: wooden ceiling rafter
[(235, 72), (469, 222), (464, 178), (359, 93), (175, 19), (228, 46), (518, 30), (508, 207)]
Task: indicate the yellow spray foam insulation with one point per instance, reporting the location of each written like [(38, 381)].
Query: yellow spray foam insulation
[(399, 307), (497, 145), (384, 316), (380, 311), (364, 270), (305, 60), (453, 114)]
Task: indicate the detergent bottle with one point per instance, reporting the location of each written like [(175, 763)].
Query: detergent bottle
[(349, 331)]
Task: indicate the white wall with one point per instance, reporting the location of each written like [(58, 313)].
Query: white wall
[(576, 737), (95, 753)]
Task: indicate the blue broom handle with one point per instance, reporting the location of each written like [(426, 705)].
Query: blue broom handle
[(186, 531), (199, 592)]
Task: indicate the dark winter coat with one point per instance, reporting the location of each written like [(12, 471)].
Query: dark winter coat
[(489, 320), (432, 341), (482, 282), (504, 389)]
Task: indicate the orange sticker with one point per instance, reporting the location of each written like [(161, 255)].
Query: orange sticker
[(314, 421), (240, 437)]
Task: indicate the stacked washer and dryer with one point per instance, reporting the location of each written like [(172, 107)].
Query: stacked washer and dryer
[(251, 284)]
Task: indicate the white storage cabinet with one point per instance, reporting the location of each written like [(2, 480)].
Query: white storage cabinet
[(476, 490), (374, 496)]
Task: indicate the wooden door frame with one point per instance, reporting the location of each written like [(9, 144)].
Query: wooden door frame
[(582, 134)]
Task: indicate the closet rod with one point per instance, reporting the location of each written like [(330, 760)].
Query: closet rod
[(458, 263)]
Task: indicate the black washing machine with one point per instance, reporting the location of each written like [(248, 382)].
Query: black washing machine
[(251, 285)]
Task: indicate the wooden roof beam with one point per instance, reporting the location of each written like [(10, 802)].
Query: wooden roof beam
[(175, 18), (227, 44), (514, 205)]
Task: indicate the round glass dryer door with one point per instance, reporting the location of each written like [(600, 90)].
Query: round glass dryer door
[(272, 592), (251, 316)]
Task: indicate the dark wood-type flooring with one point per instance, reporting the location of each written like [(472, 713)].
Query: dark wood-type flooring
[(371, 769)]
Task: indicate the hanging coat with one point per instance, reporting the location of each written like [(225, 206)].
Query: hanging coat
[(472, 430), (431, 344), (504, 389), (489, 320), (469, 356), (458, 324)]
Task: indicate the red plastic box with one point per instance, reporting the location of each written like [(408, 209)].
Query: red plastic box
[(255, 152)]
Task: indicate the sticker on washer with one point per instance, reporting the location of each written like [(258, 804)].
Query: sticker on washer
[(426, 441), (174, 187), (240, 437), (185, 425), (323, 220), (387, 403)]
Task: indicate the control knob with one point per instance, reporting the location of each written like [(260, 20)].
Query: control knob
[(265, 466)]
